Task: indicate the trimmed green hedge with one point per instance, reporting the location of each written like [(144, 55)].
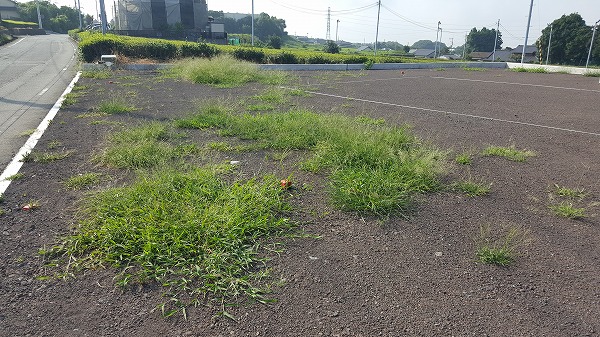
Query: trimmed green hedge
[(93, 44), (18, 24)]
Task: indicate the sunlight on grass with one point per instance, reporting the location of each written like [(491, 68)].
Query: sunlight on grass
[(510, 153)]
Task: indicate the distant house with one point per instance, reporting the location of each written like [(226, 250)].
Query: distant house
[(480, 55), (501, 56), (8, 10), (364, 48), (449, 57), (423, 53), (530, 54)]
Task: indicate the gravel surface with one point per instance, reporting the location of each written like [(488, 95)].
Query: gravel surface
[(365, 276)]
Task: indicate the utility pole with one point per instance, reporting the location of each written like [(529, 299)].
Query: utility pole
[(328, 35), (465, 46), (527, 33), (377, 32), (437, 37), (39, 15), (252, 38), (496, 42), (103, 17), (591, 44), (549, 43), (337, 26)]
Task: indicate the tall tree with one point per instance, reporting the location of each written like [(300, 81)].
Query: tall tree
[(570, 41), (54, 18), (483, 40)]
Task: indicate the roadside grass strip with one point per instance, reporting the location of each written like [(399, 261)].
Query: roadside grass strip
[(189, 231), (224, 71), (510, 153), (371, 168)]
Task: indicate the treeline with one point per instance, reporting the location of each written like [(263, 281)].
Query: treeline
[(54, 18), (265, 26)]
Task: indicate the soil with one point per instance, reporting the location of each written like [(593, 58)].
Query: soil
[(364, 276)]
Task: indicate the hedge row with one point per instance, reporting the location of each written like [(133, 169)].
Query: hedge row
[(92, 45), (18, 24)]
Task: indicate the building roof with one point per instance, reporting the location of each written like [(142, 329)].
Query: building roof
[(530, 50), (422, 52), (501, 55), (363, 48), (480, 55)]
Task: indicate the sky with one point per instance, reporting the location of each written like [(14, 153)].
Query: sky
[(403, 21)]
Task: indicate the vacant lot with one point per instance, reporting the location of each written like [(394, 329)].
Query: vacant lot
[(433, 269)]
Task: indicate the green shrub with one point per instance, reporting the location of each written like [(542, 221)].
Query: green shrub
[(249, 54)]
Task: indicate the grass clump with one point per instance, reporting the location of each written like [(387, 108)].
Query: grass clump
[(83, 180), (373, 168), (572, 193), (591, 73), (472, 188), (71, 98), (537, 70), (115, 106), (191, 232), (97, 74), (463, 158), (224, 72), (510, 153), (568, 210), (275, 96), (16, 176), (500, 246), (46, 157), (260, 107), (139, 147)]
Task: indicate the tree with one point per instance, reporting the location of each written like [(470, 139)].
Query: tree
[(483, 40), (56, 19), (427, 44), (331, 48), (274, 42), (570, 41)]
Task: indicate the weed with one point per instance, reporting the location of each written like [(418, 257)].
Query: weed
[(16, 176), (220, 146), (113, 123), (91, 115), (46, 157), (299, 93), (225, 72), (2, 212), (71, 98), (510, 153), (368, 64), (538, 70), (572, 193), (27, 133), (115, 106), (80, 87), (373, 168), (1, 198), (499, 247), (276, 96), (191, 232), (463, 158), (53, 144), (567, 210), (591, 73), (97, 74), (370, 121), (82, 180), (472, 188)]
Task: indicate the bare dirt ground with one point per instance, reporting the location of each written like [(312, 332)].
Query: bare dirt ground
[(365, 276)]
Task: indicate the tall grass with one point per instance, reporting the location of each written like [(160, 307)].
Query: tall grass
[(372, 168), (189, 231), (224, 71)]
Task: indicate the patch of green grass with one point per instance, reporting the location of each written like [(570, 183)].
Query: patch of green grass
[(220, 146), (591, 73), (103, 122), (538, 70), (80, 87), (500, 246), (115, 106), (97, 74), (46, 157), (298, 93), (373, 168), (144, 146), (472, 188), (83, 180), (370, 121), (92, 115), (1, 198), (572, 193), (510, 153), (71, 98), (190, 232), (260, 107), (225, 72), (16, 176), (274, 96), (463, 158), (568, 210)]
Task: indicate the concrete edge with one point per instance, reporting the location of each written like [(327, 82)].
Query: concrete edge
[(552, 69), (15, 165)]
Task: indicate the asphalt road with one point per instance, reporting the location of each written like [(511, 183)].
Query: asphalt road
[(34, 71)]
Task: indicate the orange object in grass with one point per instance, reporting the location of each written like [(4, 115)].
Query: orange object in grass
[(286, 183)]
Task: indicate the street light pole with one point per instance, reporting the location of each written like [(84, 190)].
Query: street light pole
[(377, 32), (39, 15), (549, 43), (591, 44), (337, 26), (496, 42)]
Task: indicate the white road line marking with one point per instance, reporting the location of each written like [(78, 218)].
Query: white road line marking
[(511, 83), (15, 165), (43, 91), (452, 113)]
